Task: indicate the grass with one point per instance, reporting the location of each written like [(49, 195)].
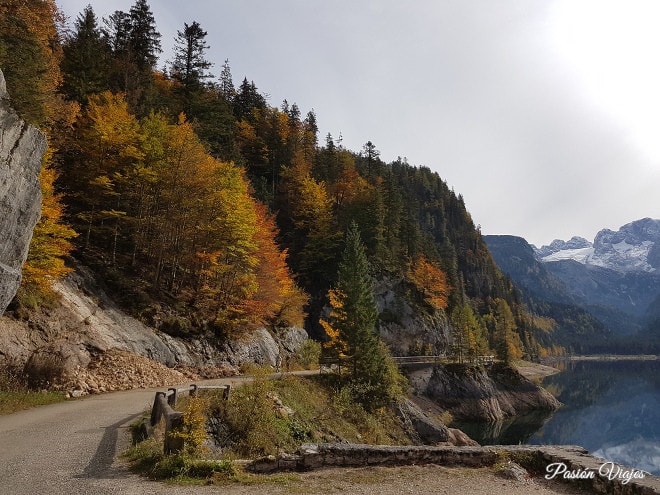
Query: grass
[(16, 395), (253, 426), (14, 401)]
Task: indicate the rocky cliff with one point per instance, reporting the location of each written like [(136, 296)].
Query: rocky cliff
[(490, 393), (87, 344), (21, 149)]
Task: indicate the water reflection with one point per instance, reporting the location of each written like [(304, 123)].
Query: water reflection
[(612, 408)]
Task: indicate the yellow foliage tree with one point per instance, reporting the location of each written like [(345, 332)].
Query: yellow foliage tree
[(336, 343), (50, 239)]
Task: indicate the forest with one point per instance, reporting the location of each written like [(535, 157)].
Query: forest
[(208, 211)]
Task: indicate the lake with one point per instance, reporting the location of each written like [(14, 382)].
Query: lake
[(611, 408)]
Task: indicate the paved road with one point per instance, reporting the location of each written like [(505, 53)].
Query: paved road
[(71, 447)]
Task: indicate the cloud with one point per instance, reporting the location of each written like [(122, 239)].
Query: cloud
[(484, 93)]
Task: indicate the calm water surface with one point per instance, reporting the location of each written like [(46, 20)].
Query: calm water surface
[(611, 408)]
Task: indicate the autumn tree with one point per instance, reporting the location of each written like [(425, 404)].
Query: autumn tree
[(430, 282), (51, 242), (468, 334), (312, 238), (279, 301), (30, 54), (109, 136), (373, 377), (506, 341)]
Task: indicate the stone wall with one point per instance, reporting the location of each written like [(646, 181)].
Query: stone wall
[(21, 149), (532, 457)]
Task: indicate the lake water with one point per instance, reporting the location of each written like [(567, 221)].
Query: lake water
[(611, 408)]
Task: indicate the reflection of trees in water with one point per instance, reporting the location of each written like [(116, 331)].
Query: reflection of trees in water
[(606, 403), (511, 431)]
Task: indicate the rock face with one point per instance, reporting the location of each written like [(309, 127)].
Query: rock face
[(486, 393), (64, 345), (406, 330), (21, 149)]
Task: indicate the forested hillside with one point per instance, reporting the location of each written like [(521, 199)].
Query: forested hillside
[(206, 210)]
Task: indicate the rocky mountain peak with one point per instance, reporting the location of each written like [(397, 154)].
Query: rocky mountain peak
[(634, 247)]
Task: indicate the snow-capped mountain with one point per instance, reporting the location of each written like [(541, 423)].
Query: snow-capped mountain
[(634, 247)]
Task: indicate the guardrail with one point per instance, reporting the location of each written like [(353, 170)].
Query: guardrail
[(163, 408), (400, 360), (328, 362)]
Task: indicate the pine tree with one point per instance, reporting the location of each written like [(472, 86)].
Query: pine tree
[(85, 64), (189, 66), (374, 379)]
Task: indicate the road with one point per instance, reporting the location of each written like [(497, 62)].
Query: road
[(71, 447)]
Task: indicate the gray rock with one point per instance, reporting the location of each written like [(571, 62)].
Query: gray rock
[(407, 330), (490, 393), (421, 427), (21, 149), (513, 471)]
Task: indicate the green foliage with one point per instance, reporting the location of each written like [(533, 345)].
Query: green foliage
[(373, 378), (308, 354), (254, 429), (147, 457)]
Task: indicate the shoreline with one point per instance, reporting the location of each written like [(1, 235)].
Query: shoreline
[(611, 357), (535, 371)]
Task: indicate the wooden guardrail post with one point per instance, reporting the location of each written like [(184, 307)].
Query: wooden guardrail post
[(157, 409), (171, 399), (163, 403)]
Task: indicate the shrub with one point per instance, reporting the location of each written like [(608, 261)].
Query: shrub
[(309, 353)]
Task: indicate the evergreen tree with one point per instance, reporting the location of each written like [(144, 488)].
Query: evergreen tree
[(374, 379), (144, 39), (227, 89), (135, 44), (85, 64), (189, 66)]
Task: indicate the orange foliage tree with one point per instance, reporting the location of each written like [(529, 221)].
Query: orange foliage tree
[(50, 239), (430, 281)]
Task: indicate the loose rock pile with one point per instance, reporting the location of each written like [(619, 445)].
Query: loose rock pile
[(122, 370)]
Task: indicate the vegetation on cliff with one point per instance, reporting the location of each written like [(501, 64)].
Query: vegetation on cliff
[(208, 211)]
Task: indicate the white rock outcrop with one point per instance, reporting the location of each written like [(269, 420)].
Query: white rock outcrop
[(21, 148)]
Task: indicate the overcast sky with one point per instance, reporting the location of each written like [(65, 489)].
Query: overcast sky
[(544, 115)]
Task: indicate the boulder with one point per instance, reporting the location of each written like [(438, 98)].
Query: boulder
[(22, 147)]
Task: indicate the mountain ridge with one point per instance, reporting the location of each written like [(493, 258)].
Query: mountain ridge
[(634, 247), (606, 290)]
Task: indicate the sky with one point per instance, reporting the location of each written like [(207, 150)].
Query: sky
[(543, 114)]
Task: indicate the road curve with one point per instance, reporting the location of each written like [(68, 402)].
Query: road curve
[(71, 447)]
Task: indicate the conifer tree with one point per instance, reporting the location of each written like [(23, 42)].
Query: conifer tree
[(374, 379), (85, 64), (190, 66)]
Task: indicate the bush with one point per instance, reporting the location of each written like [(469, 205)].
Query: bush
[(252, 427), (308, 354)]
